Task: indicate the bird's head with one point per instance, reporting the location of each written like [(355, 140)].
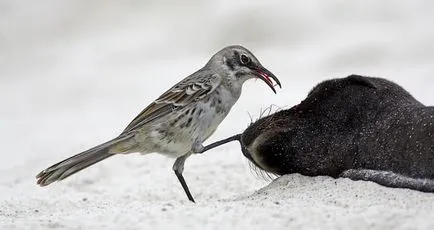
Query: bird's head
[(239, 64)]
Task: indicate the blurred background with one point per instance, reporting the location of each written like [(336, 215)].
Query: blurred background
[(73, 73)]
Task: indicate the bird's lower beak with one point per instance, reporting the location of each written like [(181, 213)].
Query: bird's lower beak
[(267, 77)]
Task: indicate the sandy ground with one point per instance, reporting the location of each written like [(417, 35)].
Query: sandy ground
[(74, 73)]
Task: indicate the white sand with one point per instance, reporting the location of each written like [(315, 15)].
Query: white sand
[(74, 73)]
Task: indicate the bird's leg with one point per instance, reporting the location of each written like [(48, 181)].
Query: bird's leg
[(199, 148), (178, 167)]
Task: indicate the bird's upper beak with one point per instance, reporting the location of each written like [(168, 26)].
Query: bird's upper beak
[(266, 76)]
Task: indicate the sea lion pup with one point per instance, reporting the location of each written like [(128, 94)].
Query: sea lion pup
[(357, 127)]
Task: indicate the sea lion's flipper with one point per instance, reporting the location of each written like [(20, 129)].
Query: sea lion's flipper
[(361, 80), (389, 179)]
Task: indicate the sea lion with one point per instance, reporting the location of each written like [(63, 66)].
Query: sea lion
[(362, 128)]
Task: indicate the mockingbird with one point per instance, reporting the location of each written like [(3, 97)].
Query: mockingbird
[(180, 120)]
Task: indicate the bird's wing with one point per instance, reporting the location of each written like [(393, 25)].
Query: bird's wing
[(188, 91)]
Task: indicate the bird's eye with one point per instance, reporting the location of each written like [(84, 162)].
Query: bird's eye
[(244, 59)]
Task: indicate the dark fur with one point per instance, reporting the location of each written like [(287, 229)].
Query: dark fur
[(357, 127)]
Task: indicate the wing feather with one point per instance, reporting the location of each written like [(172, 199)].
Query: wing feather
[(188, 91)]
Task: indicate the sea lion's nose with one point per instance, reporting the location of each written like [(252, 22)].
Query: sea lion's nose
[(246, 152)]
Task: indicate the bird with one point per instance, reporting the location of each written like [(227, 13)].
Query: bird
[(178, 122)]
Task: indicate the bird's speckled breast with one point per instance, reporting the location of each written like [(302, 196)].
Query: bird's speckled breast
[(175, 136)]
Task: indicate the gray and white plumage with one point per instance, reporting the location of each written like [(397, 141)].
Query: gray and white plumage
[(181, 119)]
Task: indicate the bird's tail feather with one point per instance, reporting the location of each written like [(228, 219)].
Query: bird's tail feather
[(78, 162)]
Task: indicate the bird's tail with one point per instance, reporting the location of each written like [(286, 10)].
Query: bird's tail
[(78, 162)]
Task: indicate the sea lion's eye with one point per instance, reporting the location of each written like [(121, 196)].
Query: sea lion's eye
[(244, 59)]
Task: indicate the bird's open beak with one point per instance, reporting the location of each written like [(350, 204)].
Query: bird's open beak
[(266, 76)]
